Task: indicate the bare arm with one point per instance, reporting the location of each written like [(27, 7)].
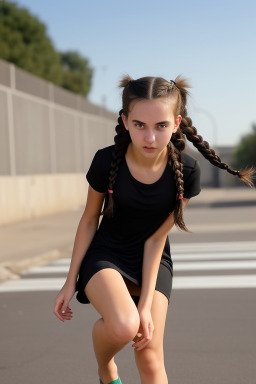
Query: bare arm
[(85, 232), (153, 249), (84, 235)]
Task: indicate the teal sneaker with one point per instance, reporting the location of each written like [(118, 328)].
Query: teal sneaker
[(117, 381)]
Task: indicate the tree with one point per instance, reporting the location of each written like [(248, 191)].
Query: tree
[(25, 43), (77, 74), (244, 154)]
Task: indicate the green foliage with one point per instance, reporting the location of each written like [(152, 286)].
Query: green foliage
[(77, 74), (245, 153), (24, 42)]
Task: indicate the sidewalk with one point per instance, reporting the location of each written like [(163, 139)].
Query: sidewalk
[(38, 241), (217, 197)]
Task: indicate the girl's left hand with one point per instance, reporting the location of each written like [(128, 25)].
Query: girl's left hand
[(145, 332)]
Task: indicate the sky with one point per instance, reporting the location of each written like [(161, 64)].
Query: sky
[(211, 43)]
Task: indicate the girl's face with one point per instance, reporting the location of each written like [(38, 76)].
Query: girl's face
[(151, 124)]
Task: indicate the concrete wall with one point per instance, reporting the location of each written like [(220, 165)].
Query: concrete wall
[(48, 137), (46, 129), (30, 196)]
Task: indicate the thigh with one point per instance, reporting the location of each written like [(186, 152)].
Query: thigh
[(158, 312), (109, 295)]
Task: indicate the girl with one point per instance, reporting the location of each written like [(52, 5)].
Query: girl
[(124, 266)]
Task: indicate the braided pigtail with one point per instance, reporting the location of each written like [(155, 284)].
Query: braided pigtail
[(246, 175), (187, 128), (176, 160), (122, 140)]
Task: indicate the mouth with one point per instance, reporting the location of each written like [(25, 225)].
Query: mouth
[(149, 147)]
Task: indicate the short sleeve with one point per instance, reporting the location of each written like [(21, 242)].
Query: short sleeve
[(192, 185), (96, 175)]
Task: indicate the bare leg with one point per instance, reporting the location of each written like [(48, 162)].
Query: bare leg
[(120, 320), (105, 350), (154, 377), (150, 360)]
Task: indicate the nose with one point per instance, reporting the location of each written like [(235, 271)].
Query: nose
[(150, 137)]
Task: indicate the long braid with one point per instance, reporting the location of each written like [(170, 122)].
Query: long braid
[(187, 128), (175, 156), (175, 148), (122, 140)]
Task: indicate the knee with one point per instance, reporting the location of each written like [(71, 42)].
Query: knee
[(125, 329), (150, 361)]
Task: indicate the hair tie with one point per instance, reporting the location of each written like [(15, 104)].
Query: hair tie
[(172, 81), (179, 196), (110, 190), (236, 172)]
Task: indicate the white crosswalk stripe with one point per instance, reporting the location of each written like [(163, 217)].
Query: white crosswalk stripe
[(188, 266), (203, 260), (232, 246), (26, 285)]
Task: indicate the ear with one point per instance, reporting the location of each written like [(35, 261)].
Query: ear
[(177, 123), (124, 118)]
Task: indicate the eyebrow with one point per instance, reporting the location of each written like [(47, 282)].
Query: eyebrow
[(161, 122)]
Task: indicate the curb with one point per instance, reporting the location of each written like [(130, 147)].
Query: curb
[(13, 270)]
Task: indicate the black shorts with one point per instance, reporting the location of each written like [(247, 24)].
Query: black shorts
[(163, 283), (91, 265)]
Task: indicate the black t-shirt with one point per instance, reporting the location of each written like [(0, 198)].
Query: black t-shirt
[(139, 210)]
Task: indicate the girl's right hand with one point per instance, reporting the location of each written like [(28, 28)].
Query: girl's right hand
[(61, 305)]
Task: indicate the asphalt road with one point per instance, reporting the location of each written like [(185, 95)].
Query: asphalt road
[(210, 334)]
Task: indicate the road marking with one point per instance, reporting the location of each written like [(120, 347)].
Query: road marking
[(198, 257), (48, 269), (188, 282), (235, 246), (216, 256), (192, 256), (32, 285), (214, 265), (184, 266), (214, 282)]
